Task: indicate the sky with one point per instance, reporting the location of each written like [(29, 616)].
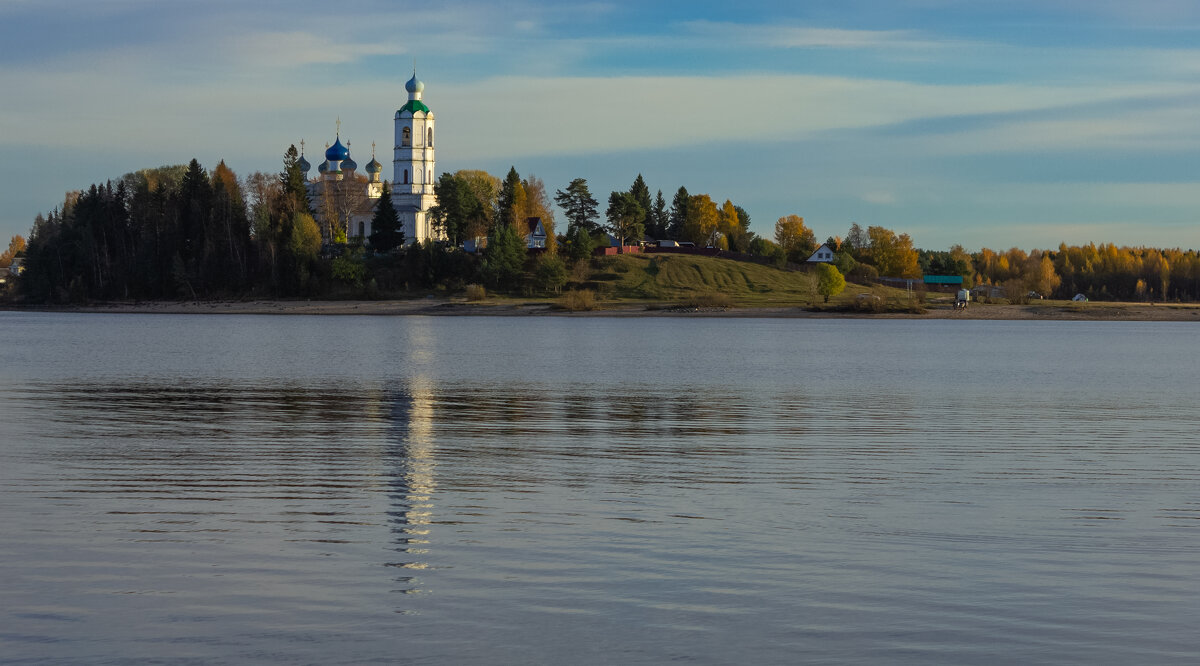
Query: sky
[(985, 123)]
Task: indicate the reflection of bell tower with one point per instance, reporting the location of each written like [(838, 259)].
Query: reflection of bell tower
[(411, 495), (413, 164)]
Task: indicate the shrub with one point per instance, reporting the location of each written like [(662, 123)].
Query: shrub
[(863, 274), (578, 300), (550, 273), (476, 292), (709, 299), (867, 303)]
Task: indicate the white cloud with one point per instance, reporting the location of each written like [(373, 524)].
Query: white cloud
[(785, 36), (530, 116), (299, 49)]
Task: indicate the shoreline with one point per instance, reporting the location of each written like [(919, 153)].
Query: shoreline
[(430, 306)]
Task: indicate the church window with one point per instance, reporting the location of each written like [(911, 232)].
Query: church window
[(406, 176), (362, 229), (430, 142), (429, 177), (406, 137)]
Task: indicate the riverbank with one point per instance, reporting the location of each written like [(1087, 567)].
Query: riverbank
[(433, 306)]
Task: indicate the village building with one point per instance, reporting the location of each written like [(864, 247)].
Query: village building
[(345, 201), (535, 234), (822, 255)]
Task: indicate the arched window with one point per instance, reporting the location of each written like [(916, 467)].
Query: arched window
[(362, 229), (406, 137), (430, 141), (406, 176)]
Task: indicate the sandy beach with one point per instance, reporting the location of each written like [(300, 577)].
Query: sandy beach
[(432, 306)]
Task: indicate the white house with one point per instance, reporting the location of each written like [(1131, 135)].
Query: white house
[(822, 255)]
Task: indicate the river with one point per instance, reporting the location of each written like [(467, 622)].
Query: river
[(188, 489)]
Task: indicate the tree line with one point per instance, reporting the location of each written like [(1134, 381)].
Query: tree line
[(184, 232)]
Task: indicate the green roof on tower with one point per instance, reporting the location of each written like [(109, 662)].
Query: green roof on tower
[(413, 106)]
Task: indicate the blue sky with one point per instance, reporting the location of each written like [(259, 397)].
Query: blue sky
[(980, 122)]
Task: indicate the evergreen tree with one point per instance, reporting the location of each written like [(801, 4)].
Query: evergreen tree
[(679, 212), (641, 194), (295, 194), (658, 219), (625, 217), (504, 258), (386, 231), (579, 244), (194, 209), (577, 202), (509, 198)]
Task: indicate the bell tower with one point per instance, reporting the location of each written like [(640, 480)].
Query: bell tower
[(413, 164)]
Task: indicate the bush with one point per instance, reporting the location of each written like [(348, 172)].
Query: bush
[(476, 292), (349, 267), (863, 274), (578, 300), (709, 299), (867, 303), (550, 273)]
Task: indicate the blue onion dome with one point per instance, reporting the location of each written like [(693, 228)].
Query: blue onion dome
[(303, 164), (374, 166), (323, 167), (349, 164), (337, 152), (414, 85)]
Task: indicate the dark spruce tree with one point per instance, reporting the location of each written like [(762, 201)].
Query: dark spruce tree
[(504, 258), (641, 194), (506, 213), (386, 232), (679, 208), (656, 224)]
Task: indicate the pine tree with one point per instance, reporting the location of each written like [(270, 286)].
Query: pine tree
[(658, 219), (510, 194), (577, 202), (295, 194), (679, 212), (641, 194), (504, 258), (625, 217), (386, 231)]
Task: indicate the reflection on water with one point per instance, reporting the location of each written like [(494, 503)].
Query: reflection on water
[(571, 505), (412, 485)]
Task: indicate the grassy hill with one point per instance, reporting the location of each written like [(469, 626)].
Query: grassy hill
[(683, 278)]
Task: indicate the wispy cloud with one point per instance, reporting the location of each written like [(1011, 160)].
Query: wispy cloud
[(792, 36)]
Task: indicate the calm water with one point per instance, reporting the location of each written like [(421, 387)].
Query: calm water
[(179, 489)]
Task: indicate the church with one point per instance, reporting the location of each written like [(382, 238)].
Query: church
[(345, 201)]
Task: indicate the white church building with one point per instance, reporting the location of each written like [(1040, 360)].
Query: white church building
[(413, 175)]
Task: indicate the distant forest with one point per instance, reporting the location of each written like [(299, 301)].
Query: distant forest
[(181, 232)]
